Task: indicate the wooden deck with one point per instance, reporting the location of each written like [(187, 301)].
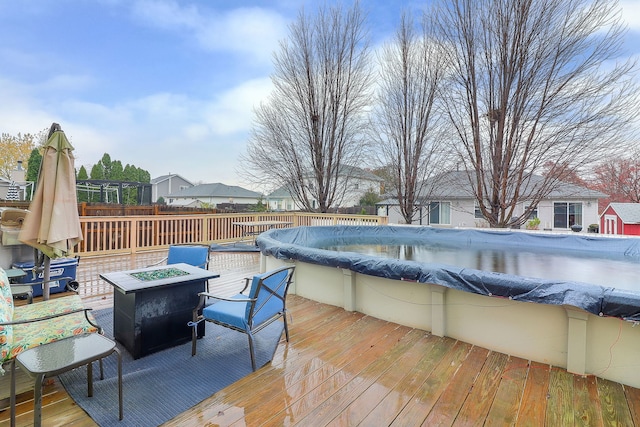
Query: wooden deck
[(344, 369)]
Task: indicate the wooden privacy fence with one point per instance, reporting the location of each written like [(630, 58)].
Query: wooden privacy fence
[(129, 234)]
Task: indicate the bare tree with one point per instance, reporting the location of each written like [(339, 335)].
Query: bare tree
[(405, 123), (313, 123), (533, 81)]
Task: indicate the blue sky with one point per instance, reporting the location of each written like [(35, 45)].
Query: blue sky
[(166, 85)]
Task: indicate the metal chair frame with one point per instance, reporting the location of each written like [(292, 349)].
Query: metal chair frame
[(260, 284)]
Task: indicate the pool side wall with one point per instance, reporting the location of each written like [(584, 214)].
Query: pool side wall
[(562, 336)]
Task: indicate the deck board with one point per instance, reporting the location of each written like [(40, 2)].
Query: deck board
[(346, 368), (367, 400), (367, 371), (633, 397), (615, 409), (429, 392), (317, 387), (478, 402), (388, 408), (452, 399), (506, 404), (533, 407), (586, 404), (560, 399)]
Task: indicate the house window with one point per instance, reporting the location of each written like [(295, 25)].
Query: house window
[(534, 212), (477, 213), (440, 213), (566, 214)]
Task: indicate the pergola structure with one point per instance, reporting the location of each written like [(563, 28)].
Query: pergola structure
[(110, 190)]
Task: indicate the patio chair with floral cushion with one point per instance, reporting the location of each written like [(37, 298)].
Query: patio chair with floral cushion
[(30, 325)]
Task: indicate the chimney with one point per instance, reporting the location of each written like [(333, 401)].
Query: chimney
[(18, 174)]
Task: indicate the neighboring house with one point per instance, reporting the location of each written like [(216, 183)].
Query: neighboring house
[(15, 187), (360, 182), (621, 218), (357, 181), (212, 195), (4, 187), (164, 185), (281, 200), (452, 204)]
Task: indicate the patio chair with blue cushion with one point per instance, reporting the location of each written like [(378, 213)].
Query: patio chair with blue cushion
[(192, 254), (264, 304)]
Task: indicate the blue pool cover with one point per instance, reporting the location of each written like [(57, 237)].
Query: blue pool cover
[(305, 243)]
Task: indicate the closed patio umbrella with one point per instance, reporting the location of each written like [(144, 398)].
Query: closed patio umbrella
[(52, 225)]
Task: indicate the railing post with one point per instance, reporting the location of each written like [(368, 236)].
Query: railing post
[(133, 237), (205, 230)]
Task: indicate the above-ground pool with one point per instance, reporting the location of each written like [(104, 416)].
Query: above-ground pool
[(615, 270), (598, 274), (567, 300)]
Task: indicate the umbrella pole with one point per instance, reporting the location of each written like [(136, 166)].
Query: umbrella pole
[(46, 276)]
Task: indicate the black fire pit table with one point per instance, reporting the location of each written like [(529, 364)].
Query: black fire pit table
[(152, 306)]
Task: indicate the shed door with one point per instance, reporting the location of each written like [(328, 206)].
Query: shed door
[(610, 224)]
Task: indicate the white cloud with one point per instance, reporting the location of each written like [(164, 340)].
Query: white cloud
[(19, 110), (232, 112), (167, 14), (246, 31), (67, 82), (252, 31), (200, 139), (631, 13)]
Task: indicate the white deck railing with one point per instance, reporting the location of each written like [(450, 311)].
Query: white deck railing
[(105, 235)]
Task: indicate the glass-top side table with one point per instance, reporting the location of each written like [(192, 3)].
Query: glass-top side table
[(60, 356)]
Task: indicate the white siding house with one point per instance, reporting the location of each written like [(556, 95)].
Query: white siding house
[(452, 204), (281, 200), (15, 187), (360, 182), (164, 185), (354, 181), (212, 195)]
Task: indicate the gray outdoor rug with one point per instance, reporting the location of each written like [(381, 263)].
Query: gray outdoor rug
[(162, 385)]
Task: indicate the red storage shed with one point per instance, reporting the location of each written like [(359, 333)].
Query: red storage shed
[(621, 218)]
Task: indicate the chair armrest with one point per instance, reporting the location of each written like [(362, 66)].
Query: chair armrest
[(247, 281), (162, 261), (210, 295), (205, 295), (69, 286), (53, 316), (42, 282)]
